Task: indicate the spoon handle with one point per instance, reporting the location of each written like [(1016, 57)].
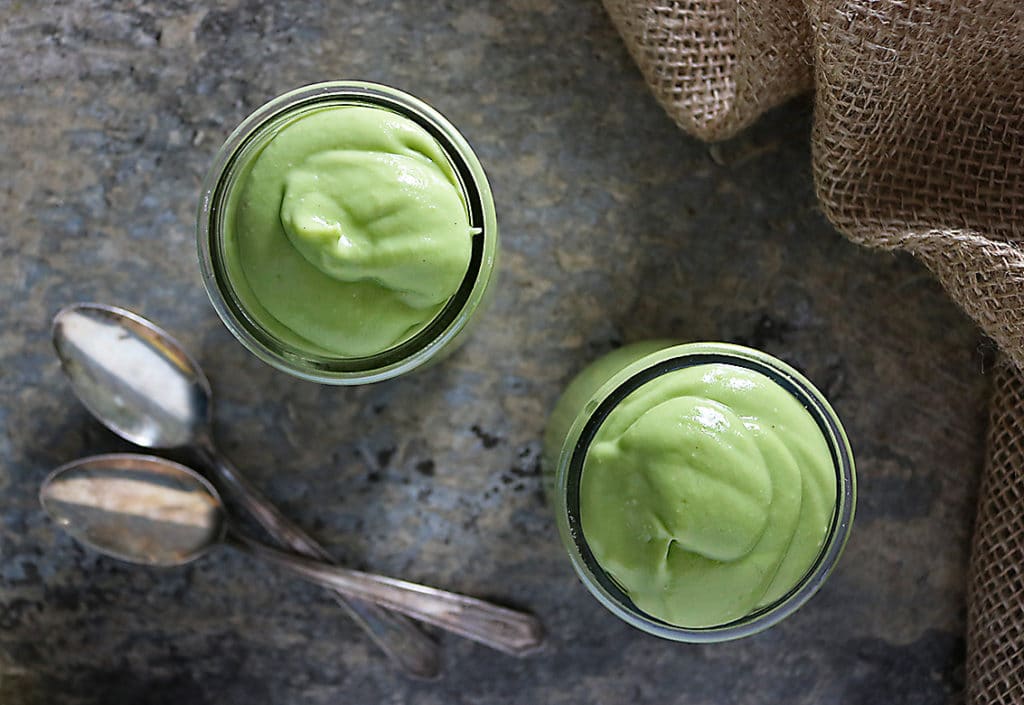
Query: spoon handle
[(396, 635), (512, 632)]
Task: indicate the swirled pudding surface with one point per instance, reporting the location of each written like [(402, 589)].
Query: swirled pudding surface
[(707, 493), (347, 233)]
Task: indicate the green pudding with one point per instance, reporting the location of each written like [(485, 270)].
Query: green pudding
[(706, 494), (346, 232), (703, 491)]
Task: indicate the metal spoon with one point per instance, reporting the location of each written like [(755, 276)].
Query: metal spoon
[(149, 510), (142, 385)]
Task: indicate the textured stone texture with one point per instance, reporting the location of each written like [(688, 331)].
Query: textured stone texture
[(615, 228)]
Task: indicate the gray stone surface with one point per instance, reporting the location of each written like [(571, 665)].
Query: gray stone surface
[(615, 227)]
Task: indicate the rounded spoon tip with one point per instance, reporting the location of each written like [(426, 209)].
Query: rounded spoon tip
[(132, 375), (138, 508)]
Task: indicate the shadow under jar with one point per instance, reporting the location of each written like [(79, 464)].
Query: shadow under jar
[(338, 271), (703, 492)]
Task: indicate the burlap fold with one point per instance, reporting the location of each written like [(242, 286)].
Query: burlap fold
[(918, 144)]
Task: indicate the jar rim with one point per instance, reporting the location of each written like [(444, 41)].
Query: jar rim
[(425, 344), (569, 468)]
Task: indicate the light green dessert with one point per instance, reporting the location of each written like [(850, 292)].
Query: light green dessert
[(346, 232), (706, 494)]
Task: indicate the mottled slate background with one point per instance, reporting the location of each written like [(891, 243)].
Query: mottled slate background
[(615, 227)]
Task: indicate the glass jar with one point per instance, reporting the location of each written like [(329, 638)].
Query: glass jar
[(585, 405), (438, 337)]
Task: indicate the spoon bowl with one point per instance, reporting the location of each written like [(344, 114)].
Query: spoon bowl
[(134, 377), (138, 508)]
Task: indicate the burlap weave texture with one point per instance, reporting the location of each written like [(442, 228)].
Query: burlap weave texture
[(918, 144)]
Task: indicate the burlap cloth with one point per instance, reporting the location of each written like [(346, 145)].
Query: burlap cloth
[(918, 144)]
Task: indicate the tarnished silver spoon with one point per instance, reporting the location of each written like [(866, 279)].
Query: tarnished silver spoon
[(149, 510), (142, 385)]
